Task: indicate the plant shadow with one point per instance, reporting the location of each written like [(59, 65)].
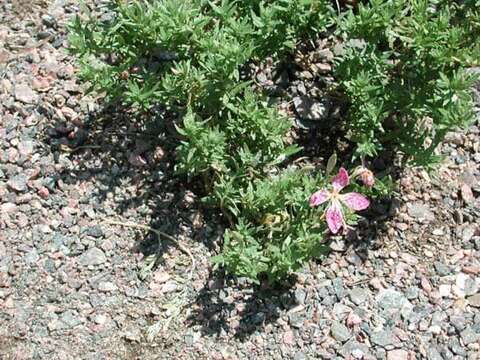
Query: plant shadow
[(136, 160), (131, 158)]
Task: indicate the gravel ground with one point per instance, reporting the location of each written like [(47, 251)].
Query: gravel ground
[(73, 285)]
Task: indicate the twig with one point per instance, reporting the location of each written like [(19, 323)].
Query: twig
[(159, 234)]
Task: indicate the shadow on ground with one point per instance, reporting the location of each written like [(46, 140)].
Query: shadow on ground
[(133, 158)]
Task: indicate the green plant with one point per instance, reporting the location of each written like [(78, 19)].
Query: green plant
[(190, 57), (404, 75), (401, 72)]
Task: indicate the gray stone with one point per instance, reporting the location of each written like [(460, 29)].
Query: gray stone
[(468, 233), (420, 211), (107, 286), (412, 292), (311, 109), (300, 296), (382, 338), (94, 231), (299, 355), (358, 295), (398, 354), (353, 347), (441, 268), (456, 347), (92, 257), (470, 286), (18, 183), (32, 256), (391, 299), (70, 319), (458, 321), (338, 288), (26, 148), (433, 354), (469, 336), (296, 320), (340, 332), (25, 94)]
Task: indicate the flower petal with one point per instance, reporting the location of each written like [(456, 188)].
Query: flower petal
[(355, 201), (341, 179), (319, 197), (334, 218)]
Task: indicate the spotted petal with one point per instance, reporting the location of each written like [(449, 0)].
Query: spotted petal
[(341, 179), (319, 197), (355, 201), (334, 218)]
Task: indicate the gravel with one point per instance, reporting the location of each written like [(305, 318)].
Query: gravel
[(74, 286)]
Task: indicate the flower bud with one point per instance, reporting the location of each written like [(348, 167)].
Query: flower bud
[(367, 177)]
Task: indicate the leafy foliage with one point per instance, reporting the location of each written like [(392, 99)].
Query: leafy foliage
[(402, 71), (404, 75)]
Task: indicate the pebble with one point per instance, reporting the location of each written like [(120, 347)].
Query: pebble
[(92, 257), (310, 109), (25, 94), (18, 183), (397, 354), (382, 338), (358, 295), (420, 212), (106, 286), (340, 332), (474, 300), (469, 336)]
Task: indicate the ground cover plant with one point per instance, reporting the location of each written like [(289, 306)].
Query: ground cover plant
[(400, 72)]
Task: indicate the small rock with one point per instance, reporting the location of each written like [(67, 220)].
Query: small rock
[(412, 292), (41, 84), (94, 231), (456, 347), (469, 336), (337, 284), (43, 192), (358, 295), (25, 94), (92, 257), (441, 268), (458, 216), (420, 212), (474, 300), (310, 109), (391, 299), (397, 354), (433, 354), (161, 277), (18, 183), (353, 320), (100, 319), (438, 232), (340, 332), (169, 286), (467, 194), (288, 338), (468, 233), (106, 286), (300, 296), (381, 338), (70, 319), (445, 290), (8, 208)]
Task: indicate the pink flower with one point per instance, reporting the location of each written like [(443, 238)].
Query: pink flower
[(334, 212)]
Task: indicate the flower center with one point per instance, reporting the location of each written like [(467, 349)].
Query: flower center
[(335, 195)]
